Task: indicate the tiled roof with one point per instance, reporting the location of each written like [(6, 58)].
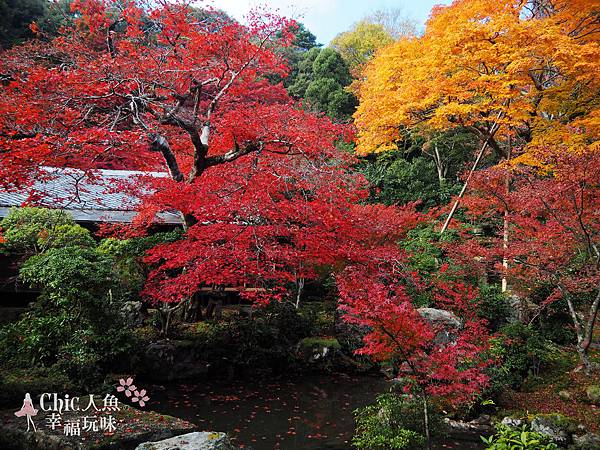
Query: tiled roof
[(88, 200)]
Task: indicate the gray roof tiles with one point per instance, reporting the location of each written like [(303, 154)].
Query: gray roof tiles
[(88, 199)]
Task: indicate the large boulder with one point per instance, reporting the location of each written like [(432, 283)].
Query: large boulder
[(446, 321), (512, 422), (132, 314), (556, 426), (588, 441), (133, 426), (191, 441), (468, 431)]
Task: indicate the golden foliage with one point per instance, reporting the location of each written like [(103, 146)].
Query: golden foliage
[(358, 45), (532, 65)]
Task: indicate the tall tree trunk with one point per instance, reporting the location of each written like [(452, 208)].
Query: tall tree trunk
[(464, 188), (506, 226), (505, 250), (426, 421), (439, 165), (488, 142), (300, 289), (584, 331)]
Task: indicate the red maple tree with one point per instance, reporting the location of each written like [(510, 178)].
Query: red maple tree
[(130, 86), (265, 192), (554, 235), (438, 362)]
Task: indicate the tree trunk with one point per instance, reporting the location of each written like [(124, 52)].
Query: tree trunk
[(439, 165), (505, 232), (489, 141), (194, 309), (464, 188), (584, 332), (426, 421), (299, 294), (583, 345)]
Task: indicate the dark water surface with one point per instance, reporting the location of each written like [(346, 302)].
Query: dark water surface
[(299, 413)]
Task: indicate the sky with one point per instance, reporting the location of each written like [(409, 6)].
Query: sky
[(327, 18)]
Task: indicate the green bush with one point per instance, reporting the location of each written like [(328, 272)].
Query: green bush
[(393, 422), (319, 315), (127, 256), (74, 327), (263, 342), (517, 439), (493, 306), (33, 230), (521, 352), (74, 324)]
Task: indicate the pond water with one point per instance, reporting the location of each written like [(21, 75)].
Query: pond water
[(298, 413)]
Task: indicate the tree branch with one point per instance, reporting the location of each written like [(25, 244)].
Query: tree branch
[(159, 143)]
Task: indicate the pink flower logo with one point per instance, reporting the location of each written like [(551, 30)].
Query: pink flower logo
[(140, 397), (130, 390), (126, 386)]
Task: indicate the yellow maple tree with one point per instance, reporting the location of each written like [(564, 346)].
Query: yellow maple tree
[(521, 68), (360, 43)]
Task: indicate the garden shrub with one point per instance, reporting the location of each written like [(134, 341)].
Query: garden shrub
[(264, 341), (521, 352), (394, 421), (74, 327), (493, 306), (33, 230), (523, 438), (127, 255)]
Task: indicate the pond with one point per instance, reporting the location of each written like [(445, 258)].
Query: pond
[(296, 413)]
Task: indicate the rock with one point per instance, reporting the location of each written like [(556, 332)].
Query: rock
[(588, 441), (466, 431), (191, 441), (169, 360), (565, 395), (555, 426), (446, 320), (520, 309), (483, 419), (132, 314), (133, 427), (440, 316), (512, 422), (318, 350), (593, 393)]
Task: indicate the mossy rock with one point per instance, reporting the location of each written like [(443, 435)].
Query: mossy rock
[(324, 352), (565, 395), (593, 393), (556, 426), (192, 441), (588, 441), (320, 342), (133, 426), (15, 383)]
